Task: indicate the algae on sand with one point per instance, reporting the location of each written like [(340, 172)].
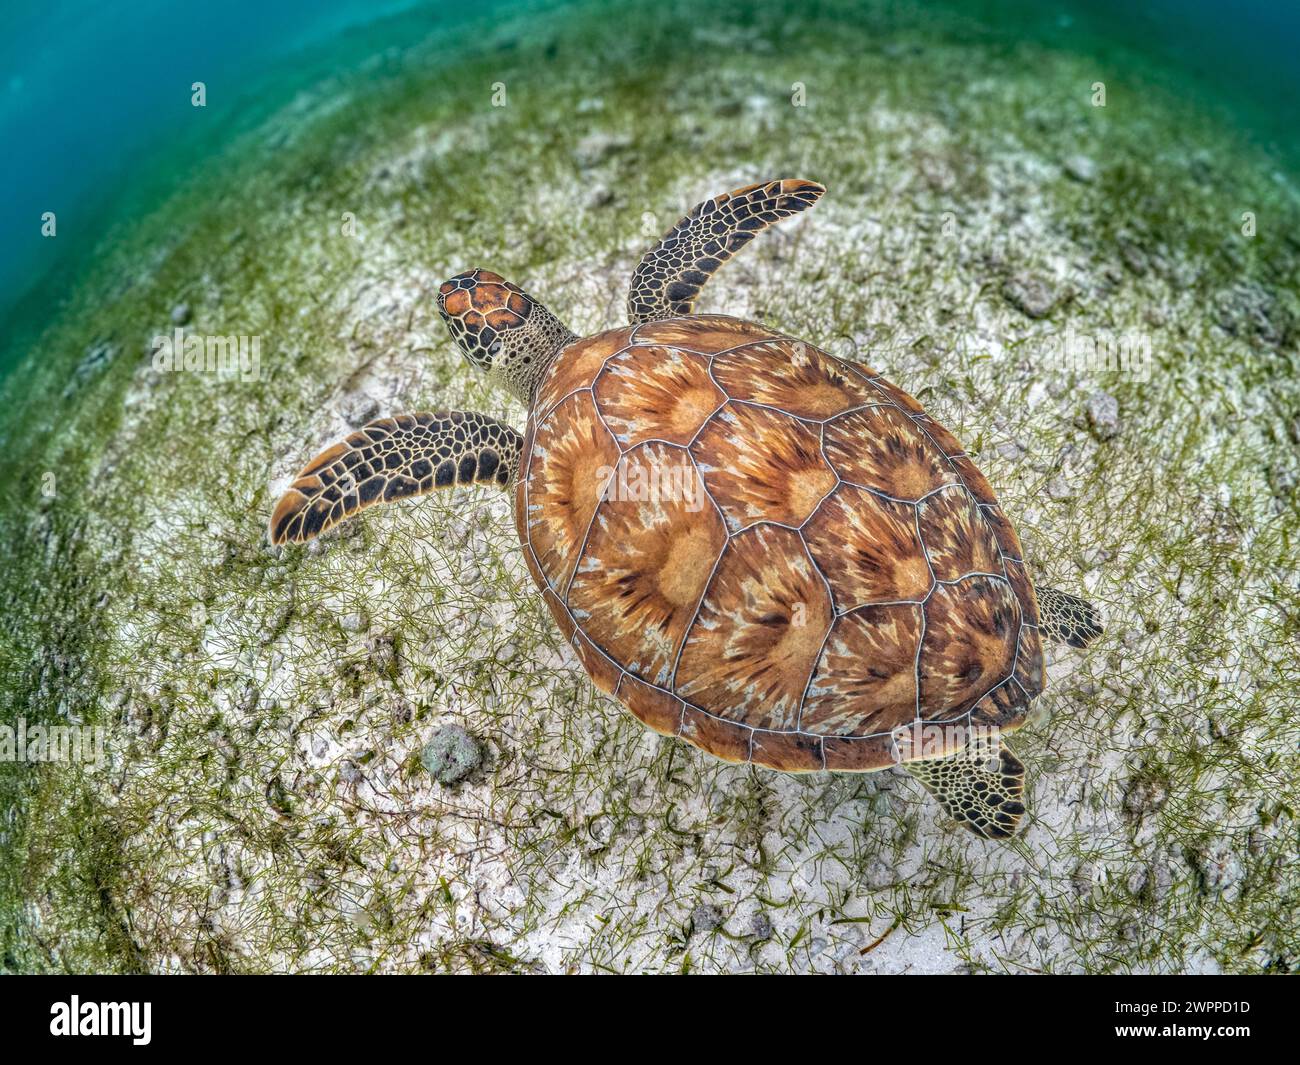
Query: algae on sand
[(263, 805)]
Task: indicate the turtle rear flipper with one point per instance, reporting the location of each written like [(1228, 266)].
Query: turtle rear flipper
[(982, 786), (392, 458), (1067, 618), (668, 279)]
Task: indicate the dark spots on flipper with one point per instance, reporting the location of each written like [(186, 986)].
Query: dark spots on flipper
[(399, 488), (980, 786), (280, 529), (369, 490), (710, 233), (314, 518), (392, 459)]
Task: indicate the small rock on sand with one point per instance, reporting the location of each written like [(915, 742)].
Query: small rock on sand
[(1030, 295), (1102, 412), (1081, 168), (451, 754), (357, 409)]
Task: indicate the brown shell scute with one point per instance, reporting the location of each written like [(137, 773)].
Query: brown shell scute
[(770, 553), (883, 449), (580, 456), (576, 367), (957, 539), (704, 333), (865, 680), (969, 644), (781, 482), (816, 386), (760, 627), (652, 706), (672, 404), (868, 547), (647, 560)]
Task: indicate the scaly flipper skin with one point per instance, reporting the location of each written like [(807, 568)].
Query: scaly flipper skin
[(392, 458), (669, 278), (982, 786), (1068, 618)]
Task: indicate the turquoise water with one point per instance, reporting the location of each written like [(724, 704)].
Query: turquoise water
[(96, 120)]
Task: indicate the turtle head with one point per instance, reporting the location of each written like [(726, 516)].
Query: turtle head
[(501, 329)]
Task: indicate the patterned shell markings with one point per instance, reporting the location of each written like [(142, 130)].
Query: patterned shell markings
[(770, 553)]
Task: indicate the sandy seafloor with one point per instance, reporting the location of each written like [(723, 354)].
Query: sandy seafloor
[(262, 806)]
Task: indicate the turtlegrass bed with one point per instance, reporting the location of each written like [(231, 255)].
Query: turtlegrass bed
[(263, 806)]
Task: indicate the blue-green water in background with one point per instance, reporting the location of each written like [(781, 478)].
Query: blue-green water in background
[(96, 119)]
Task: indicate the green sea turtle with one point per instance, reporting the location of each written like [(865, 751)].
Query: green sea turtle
[(768, 552)]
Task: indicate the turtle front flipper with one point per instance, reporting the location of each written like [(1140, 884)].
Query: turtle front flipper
[(392, 458), (982, 785), (669, 278), (1067, 618)]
